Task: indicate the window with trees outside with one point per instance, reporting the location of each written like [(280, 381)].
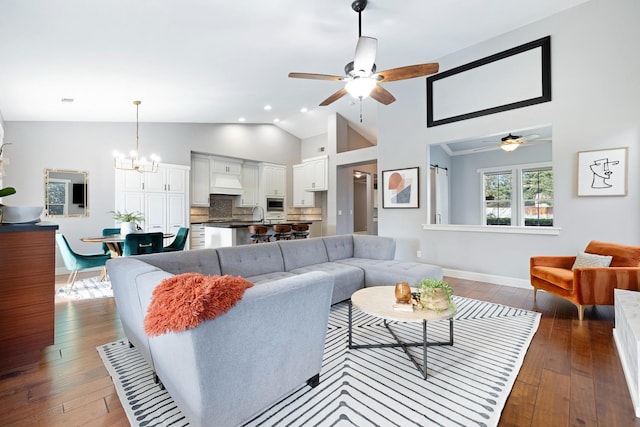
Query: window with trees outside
[(520, 195)]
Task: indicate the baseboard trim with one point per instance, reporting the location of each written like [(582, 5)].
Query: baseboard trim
[(489, 278)]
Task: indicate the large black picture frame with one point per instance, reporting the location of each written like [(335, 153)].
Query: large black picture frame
[(544, 44)]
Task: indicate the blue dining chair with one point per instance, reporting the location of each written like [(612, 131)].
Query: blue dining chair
[(75, 262), (142, 243), (110, 232), (179, 242)]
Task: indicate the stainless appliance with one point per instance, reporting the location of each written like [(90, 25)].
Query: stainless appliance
[(275, 204)]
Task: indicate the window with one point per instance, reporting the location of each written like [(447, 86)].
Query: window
[(497, 198), (537, 196), (520, 195)]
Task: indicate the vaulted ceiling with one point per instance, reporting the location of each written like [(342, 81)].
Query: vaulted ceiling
[(213, 61)]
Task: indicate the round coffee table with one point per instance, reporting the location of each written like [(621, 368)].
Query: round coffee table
[(378, 301)]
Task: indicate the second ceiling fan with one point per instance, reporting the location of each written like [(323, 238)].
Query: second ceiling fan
[(361, 77)]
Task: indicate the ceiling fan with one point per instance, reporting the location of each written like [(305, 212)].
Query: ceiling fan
[(511, 142), (361, 77)]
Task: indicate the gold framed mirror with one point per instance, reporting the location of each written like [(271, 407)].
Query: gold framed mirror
[(65, 193)]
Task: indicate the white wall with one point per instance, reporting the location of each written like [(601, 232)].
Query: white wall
[(596, 105), (89, 146)]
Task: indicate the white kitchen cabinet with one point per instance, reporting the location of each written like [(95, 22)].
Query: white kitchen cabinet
[(197, 236), (275, 180), (129, 180), (250, 189), (162, 200), (317, 170), (224, 165), (167, 179), (225, 176), (301, 197), (200, 181)]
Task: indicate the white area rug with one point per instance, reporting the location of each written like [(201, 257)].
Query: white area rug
[(467, 385), (87, 288)]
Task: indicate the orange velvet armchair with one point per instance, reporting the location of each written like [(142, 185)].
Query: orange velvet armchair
[(585, 286)]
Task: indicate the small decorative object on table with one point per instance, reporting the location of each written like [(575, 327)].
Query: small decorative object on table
[(403, 293), (435, 295), (403, 297)]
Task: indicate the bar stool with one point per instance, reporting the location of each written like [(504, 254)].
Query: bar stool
[(282, 232), (259, 234), (300, 231)]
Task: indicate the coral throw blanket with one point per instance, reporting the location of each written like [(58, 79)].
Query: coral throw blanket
[(184, 301)]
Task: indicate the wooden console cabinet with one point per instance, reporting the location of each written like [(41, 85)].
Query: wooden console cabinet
[(27, 293)]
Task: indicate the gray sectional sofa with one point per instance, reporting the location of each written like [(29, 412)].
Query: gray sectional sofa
[(229, 368)]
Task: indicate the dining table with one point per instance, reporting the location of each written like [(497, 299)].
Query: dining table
[(113, 242)]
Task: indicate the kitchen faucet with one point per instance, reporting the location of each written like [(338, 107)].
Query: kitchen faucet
[(261, 213)]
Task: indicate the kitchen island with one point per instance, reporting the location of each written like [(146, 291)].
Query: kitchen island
[(232, 233)]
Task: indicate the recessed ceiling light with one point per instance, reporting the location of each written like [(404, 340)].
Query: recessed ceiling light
[(66, 100), (303, 110), (241, 119), (267, 107), (276, 120)]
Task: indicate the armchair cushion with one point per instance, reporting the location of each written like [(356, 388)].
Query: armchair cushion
[(584, 259), (560, 277)]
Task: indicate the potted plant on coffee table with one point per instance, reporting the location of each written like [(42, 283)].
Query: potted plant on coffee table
[(129, 221), (436, 295)]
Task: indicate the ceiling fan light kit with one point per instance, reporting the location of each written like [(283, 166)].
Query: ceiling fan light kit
[(360, 87), (510, 143), (360, 74)]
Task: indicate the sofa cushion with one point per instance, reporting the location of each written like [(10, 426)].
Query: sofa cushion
[(591, 260), (184, 301), (346, 278), (269, 277), (560, 277), (302, 253), (388, 272), (204, 261), (250, 260), (373, 247), (339, 247)]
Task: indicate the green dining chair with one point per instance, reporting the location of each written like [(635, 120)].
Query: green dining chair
[(142, 243), (75, 262), (110, 232), (179, 242)]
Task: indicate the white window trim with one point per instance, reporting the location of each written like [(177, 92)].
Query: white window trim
[(517, 215)]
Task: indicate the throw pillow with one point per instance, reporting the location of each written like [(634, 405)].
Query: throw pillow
[(584, 259), (184, 301)]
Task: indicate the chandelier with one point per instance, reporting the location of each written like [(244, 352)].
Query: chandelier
[(135, 162)]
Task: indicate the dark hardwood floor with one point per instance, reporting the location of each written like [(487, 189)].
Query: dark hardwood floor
[(571, 374)]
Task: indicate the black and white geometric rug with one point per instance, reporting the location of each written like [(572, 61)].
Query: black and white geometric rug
[(467, 385), (87, 288)]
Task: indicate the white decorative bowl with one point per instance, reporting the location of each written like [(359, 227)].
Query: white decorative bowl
[(21, 214)]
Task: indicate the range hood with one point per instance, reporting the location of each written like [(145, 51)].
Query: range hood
[(226, 184)]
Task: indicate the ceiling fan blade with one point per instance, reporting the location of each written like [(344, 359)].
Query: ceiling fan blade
[(382, 95), (408, 72), (314, 76), (365, 55), (339, 94)]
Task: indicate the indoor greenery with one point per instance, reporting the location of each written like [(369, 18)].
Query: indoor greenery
[(135, 217), (429, 287), (7, 191)]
